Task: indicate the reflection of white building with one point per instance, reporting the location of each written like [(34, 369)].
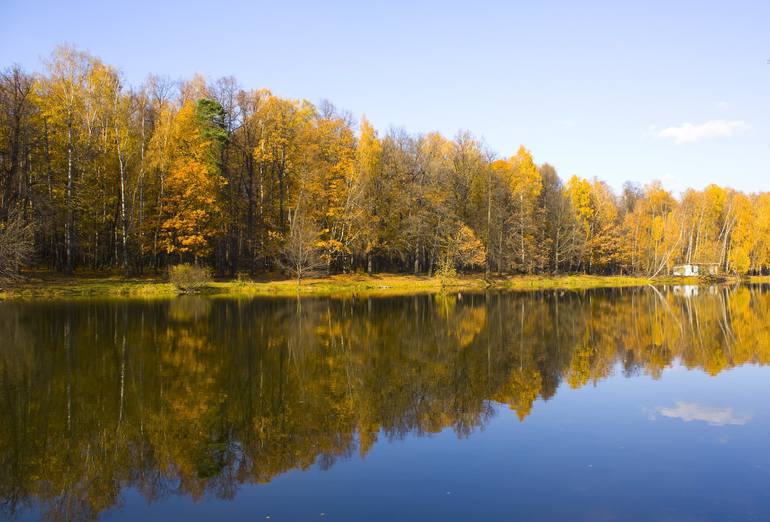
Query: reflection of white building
[(696, 269), (686, 290)]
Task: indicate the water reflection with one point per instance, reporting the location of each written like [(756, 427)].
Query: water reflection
[(196, 396), (690, 411)]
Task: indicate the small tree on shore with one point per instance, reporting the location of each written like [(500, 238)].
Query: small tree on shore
[(16, 246), (301, 254)]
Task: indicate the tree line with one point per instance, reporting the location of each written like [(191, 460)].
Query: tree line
[(100, 175)]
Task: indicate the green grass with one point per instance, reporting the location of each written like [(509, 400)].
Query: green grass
[(51, 286), (571, 282), (349, 284), (48, 286)]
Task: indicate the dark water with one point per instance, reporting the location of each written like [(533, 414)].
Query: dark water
[(605, 405)]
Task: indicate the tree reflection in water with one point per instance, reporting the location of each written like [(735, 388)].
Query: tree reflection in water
[(196, 396)]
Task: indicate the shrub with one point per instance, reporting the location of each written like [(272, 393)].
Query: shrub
[(16, 246), (188, 278)]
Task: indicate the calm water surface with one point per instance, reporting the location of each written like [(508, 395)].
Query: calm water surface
[(641, 404)]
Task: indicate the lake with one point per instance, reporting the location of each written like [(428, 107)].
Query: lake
[(617, 404)]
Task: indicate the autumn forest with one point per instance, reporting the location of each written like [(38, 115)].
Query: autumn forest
[(99, 175)]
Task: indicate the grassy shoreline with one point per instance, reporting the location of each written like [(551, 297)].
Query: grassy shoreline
[(50, 286)]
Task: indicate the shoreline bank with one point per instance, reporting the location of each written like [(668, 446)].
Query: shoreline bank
[(52, 286)]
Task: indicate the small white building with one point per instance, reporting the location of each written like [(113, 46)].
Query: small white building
[(696, 269)]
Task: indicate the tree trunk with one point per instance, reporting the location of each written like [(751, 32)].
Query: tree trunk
[(121, 167), (69, 226)]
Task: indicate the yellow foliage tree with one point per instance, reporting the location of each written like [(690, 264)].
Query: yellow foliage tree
[(191, 198)]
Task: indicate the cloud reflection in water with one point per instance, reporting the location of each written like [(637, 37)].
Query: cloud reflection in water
[(690, 411)]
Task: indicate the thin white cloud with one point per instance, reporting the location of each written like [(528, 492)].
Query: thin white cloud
[(712, 129), (690, 411)]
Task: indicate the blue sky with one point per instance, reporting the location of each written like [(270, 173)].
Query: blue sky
[(675, 91)]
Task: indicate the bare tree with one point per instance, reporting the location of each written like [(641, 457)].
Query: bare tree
[(300, 253), (16, 136), (16, 246)]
